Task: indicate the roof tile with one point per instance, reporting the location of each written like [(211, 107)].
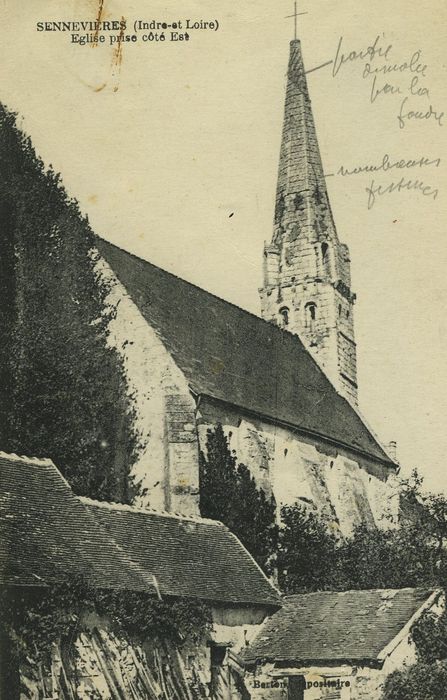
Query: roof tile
[(190, 557), (329, 627), (46, 534), (200, 330)]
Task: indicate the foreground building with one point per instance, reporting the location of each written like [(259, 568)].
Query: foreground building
[(337, 646), (52, 539)]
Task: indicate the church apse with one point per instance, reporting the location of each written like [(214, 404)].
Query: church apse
[(307, 284)]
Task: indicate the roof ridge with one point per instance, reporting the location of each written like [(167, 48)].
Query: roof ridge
[(42, 461), (201, 289), (272, 585), (428, 589), (150, 511)]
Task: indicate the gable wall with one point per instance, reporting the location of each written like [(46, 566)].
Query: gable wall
[(166, 475), (368, 682)]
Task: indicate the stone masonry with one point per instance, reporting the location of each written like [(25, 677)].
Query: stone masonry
[(307, 284)]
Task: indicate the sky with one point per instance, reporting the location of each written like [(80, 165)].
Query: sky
[(172, 149)]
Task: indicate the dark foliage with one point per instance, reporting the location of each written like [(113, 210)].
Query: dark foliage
[(228, 493), (311, 558), (31, 621), (177, 620), (63, 387), (427, 679), (306, 552), (429, 634), (419, 682)]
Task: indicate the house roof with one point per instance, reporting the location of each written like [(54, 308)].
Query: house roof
[(190, 557), (319, 628), (46, 534), (234, 356)]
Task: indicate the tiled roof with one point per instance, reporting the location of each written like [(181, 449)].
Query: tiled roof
[(190, 557), (340, 627), (262, 369), (46, 534)]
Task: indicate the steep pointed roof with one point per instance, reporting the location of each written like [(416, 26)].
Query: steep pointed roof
[(301, 189), (262, 369)]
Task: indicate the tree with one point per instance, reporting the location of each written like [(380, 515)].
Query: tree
[(306, 558), (310, 558), (427, 679), (398, 558), (431, 520), (419, 682), (228, 492), (63, 386), (429, 633)]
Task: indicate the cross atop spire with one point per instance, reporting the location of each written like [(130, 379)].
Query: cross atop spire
[(295, 18)]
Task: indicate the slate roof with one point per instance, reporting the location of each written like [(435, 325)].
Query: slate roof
[(231, 355), (319, 628), (46, 534), (190, 557)]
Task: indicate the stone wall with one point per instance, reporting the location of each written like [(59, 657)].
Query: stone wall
[(265, 682), (166, 475), (368, 682), (102, 663), (344, 488), (330, 336), (306, 264)]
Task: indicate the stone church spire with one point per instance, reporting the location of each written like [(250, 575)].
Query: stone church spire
[(307, 282)]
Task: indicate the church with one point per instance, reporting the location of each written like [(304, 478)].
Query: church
[(282, 385)]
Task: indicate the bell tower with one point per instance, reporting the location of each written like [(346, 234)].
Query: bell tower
[(307, 281)]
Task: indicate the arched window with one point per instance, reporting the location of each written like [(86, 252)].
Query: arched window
[(325, 258), (311, 314), (284, 314)]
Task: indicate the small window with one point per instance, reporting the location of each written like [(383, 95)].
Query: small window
[(284, 313), (190, 661), (339, 309), (311, 314), (347, 313), (324, 250)]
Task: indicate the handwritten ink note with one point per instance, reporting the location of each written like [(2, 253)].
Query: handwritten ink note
[(386, 73), (404, 79)]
